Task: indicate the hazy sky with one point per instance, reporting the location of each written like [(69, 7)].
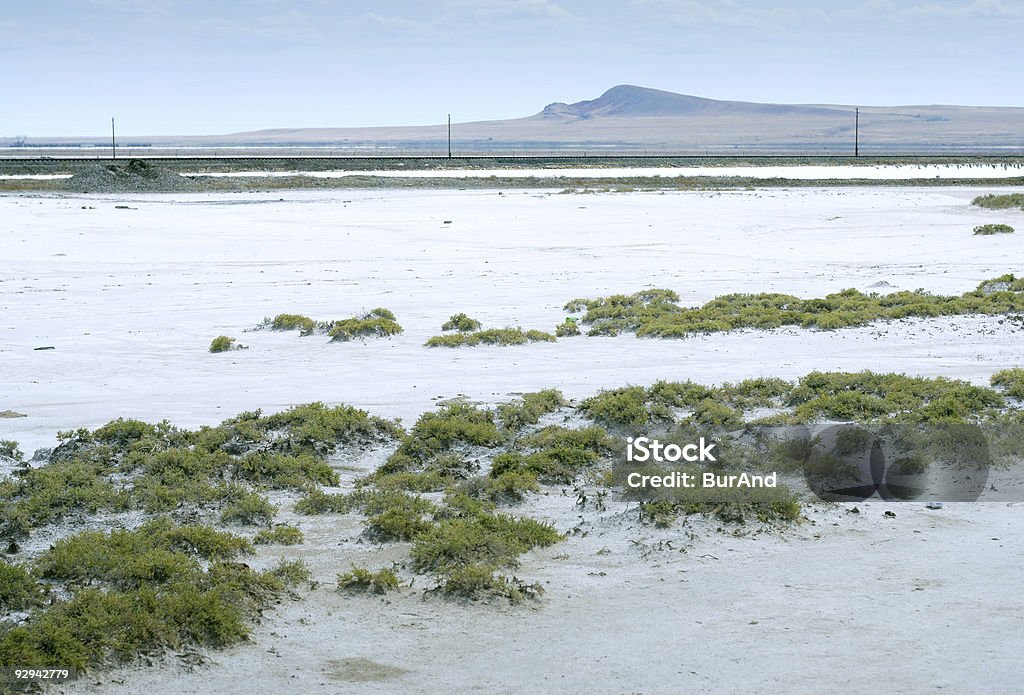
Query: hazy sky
[(218, 66)]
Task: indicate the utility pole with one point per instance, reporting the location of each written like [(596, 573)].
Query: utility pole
[(856, 134), (449, 136), (113, 141)]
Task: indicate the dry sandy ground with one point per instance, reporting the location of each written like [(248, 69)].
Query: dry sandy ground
[(130, 298)]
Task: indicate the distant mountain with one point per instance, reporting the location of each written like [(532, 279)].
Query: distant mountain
[(628, 101), (639, 119)]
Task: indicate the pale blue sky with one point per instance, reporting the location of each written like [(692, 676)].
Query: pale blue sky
[(218, 66)]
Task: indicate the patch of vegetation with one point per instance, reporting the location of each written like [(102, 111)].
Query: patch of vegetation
[(291, 572), (491, 336), (362, 580), (868, 396), (10, 449), (280, 534), (567, 328), (553, 455), (655, 313), (624, 407), (529, 409), (222, 343), (141, 591), (994, 201), (461, 323), (247, 507), (19, 588), (467, 551), (436, 433), (1011, 381), (508, 487), (990, 229), (317, 501), (377, 323), (291, 322), (396, 516)]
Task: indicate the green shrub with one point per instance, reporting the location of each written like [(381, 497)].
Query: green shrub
[(435, 433), (112, 624), (291, 322), (291, 572), (567, 328), (248, 508), (990, 229), (10, 449), (280, 534), (491, 336), (481, 580), (222, 343), (362, 580), (284, 470), (994, 201), (19, 588), (535, 336), (394, 515), (319, 502), (378, 323), (1011, 381), (622, 407), (508, 487), (656, 315), (318, 429), (529, 408), (483, 538), (158, 551), (461, 323), (717, 416), (867, 396)]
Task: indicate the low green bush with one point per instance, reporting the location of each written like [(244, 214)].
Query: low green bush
[(994, 201), (461, 323), (11, 450), (247, 508), (291, 322), (483, 538), (650, 314), (1011, 381), (394, 515), (362, 580), (990, 229), (621, 407), (378, 323), (567, 328), (529, 408), (291, 572), (662, 505), (491, 336), (436, 433), (284, 470), (222, 343), (280, 534), (868, 396), (19, 588), (553, 455), (317, 501)]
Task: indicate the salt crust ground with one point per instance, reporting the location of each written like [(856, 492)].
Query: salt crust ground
[(130, 298)]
